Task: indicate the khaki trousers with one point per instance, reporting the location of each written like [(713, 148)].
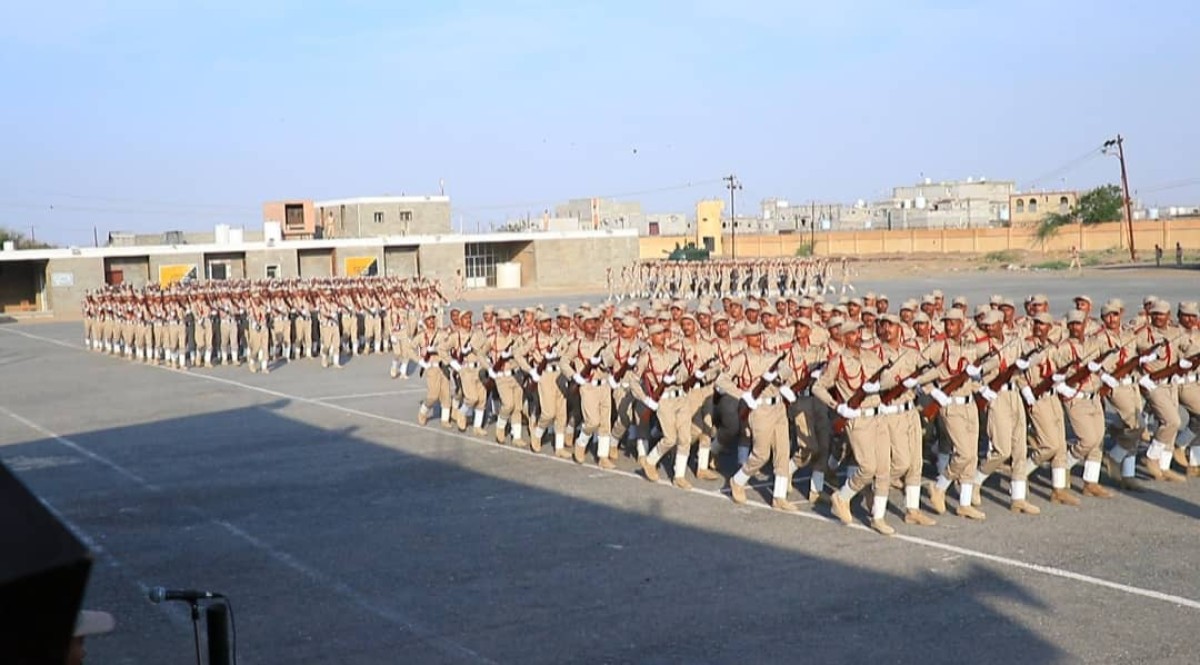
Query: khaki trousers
[(1049, 432), (813, 432), (596, 404), (1087, 421), (769, 435), (1189, 399), (961, 424), (511, 396), (474, 396), (1126, 401), (437, 386), (1007, 435), (872, 446), (904, 432), (551, 400), (1163, 403), (625, 412), (675, 420)]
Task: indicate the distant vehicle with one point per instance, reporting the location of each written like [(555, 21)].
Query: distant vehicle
[(689, 252)]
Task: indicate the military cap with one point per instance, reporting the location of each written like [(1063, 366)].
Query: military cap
[(920, 317), (953, 314), (1075, 316), (687, 314), (1039, 299), (937, 293), (656, 329), (803, 321), (928, 299), (543, 316), (1160, 307), (849, 326), (1044, 317), (1083, 297), (1189, 308), (980, 310), (991, 318), (753, 304), (1113, 306), (752, 329), (909, 304), (959, 301)]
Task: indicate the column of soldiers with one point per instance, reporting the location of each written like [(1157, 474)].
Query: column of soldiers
[(257, 322), (764, 278), (859, 393)]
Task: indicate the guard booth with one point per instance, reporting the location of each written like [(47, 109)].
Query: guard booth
[(22, 287)]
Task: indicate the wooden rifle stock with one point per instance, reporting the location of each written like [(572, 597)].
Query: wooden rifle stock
[(1126, 368), (856, 400), (957, 381), (759, 387), (897, 390), (647, 412), (1004, 377), (1047, 384)]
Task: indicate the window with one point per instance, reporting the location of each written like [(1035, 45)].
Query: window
[(1064, 204), (1032, 206), (1020, 206), (406, 215), (272, 271), (293, 215), (481, 259), (379, 217)]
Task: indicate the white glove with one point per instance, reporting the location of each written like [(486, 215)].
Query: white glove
[(632, 361), (941, 397), (770, 377), (1066, 391), (506, 354), (1109, 380), (669, 380), (430, 349), (455, 365), (578, 378), (466, 350), (533, 374), (988, 394), (1058, 378), (612, 383), (1147, 359), (595, 360), (848, 413), (1147, 383), (1185, 363), (911, 383), (650, 404), (974, 372), (1093, 366), (787, 393), (551, 356), (870, 388), (699, 375), (1022, 364), (749, 400), (492, 373), (816, 374), (423, 364), (1027, 393)]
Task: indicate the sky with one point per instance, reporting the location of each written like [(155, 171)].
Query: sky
[(155, 115)]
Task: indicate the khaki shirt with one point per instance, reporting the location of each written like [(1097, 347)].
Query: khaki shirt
[(846, 373)]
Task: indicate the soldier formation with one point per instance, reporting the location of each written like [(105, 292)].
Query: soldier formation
[(258, 322), (858, 392), (765, 278)]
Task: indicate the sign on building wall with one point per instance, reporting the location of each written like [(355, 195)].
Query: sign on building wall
[(180, 272), (62, 279), (361, 266)]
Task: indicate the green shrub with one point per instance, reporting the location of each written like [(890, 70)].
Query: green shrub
[(804, 250), (1001, 256)]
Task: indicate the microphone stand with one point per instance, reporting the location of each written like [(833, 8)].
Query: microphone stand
[(196, 628)]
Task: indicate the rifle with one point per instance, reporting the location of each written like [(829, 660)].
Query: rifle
[(647, 412), (897, 390), (691, 381), (631, 361), (760, 386), (1047, 384), (1080, 375), (586, 372), (489, 384), (1124, 369), (957, 381), (860, 395), (1170, 370), (1004, 377), (803, 382), (424, 356)]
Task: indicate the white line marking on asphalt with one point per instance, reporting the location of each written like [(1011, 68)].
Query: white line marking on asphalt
[(916, 540), (445, 644)]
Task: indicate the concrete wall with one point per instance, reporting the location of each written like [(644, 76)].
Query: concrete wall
[(276, 211), (400, 261), (1021, 213), (157, 261), (286, 259), (402, 218), (135, 269), (343, 254), (316, 263), (440, 261), (236, 262), (957, 241), (581, 262), (87, 274)]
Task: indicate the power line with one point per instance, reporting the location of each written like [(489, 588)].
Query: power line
[(644, 192), (1177, 184), (142, 202), (1070, 165)]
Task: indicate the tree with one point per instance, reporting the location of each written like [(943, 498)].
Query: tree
[(1096, 206), (19, 240)]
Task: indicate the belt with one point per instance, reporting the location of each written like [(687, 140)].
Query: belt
[(770, 400), (552, 368), (471, 365), (1083, 395), (893, 409), (596, 383), (507, 372), (1190, 378), (1126, 381), (671, 393), (966, 399), (1011, 385)]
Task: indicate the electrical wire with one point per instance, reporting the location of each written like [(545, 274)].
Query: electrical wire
[(1069, 166), (644, 192)]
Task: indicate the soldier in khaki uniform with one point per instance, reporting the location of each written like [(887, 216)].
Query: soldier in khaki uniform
[(702, 363), (430, 342), (1046, 419), (1082, 405), (505, 346), (768, 415), (1162, 397), (1004, 414), (656, 383), (542, 361), (467, 346), (1188, 454), (590, 363), (1123, 397), (849, 372), (809, 416), (955, 354)]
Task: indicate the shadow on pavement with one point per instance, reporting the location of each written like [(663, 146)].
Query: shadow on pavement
[(337, 549)]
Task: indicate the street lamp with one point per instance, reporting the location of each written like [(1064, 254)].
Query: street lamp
[(732, 183)]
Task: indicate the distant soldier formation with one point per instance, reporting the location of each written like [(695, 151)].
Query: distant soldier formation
[(256, 322), (860, 392), (765, 278)]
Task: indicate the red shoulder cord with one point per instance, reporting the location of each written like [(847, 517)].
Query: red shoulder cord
[(962, 360), (862, 374), (802, 368), (744, 381)]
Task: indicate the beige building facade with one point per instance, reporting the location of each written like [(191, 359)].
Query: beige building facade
[(1030, 208)]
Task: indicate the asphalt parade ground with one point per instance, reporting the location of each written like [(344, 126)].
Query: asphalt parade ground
[(345, 533)]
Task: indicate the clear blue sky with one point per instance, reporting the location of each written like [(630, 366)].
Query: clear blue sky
[(155, 115)]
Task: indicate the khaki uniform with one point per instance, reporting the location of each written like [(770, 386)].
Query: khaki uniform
[(591, 373), (867, 434), (504, 348), (545, 351), (1163, 399), (437, 383), (768, 422), (468, 350), (661, 372)]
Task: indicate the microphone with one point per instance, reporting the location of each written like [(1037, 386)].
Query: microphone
[(159, 594)]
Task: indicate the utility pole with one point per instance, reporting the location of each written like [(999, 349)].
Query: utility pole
[(732, 183), (1120, 143)]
